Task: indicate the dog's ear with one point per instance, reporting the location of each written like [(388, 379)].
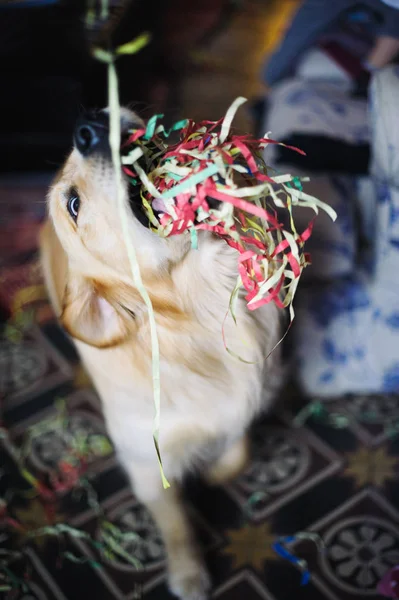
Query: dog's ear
[(85, 309), (91, 315), (54, 265)]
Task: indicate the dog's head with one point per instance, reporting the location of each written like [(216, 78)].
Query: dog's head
[(100, 303)]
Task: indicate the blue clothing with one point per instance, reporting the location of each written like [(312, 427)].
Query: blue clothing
[(313, 19)]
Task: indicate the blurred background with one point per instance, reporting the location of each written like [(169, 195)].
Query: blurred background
[(321, 75)]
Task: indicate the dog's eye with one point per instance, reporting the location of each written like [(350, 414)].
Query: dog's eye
[(73, 205)]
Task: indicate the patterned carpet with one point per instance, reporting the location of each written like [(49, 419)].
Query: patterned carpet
[(335, 475)]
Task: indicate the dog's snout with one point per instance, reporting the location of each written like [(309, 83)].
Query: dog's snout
[(86, 138), (91, 133), (92, 130)]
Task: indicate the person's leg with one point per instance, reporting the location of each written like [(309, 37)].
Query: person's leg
[(386, 45), (313, 18)]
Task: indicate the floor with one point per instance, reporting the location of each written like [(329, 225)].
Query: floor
[(69, 525)]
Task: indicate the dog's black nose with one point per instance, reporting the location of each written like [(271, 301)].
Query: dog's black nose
[(91, 133)]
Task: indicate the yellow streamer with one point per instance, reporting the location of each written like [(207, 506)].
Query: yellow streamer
[(115, 140)]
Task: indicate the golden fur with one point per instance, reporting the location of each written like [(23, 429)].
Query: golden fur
[(209, 398)]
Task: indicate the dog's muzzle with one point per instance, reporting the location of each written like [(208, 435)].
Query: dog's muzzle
[(91, 133)]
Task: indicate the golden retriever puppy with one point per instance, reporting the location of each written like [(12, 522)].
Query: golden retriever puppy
[(209, 397)]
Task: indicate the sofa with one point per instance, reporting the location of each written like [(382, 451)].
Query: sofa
[(345, 338)]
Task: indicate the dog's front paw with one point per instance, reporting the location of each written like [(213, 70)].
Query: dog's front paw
[(190, 584)]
